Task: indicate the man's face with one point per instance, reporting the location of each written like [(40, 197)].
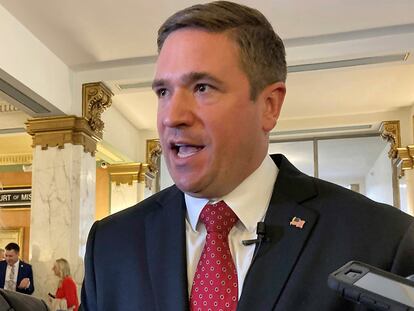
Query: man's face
[(12, 256), (212, 134)]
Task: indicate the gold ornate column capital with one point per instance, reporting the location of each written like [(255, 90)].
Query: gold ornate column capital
[(153, 155), (96, 98), (390, 131), (125, 173), (153, 158), (405, 158), (57, 131)]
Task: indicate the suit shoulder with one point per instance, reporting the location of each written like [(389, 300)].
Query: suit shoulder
[(25, 264), (343, 199)]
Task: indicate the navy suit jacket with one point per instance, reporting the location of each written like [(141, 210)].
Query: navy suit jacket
[(290, 270), (25, 271)]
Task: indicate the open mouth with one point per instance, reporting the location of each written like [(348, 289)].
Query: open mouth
[(185, 151)]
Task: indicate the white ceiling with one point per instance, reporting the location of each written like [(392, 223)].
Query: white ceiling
[(84, 32)]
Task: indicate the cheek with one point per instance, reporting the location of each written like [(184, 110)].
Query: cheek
[(159, 123)]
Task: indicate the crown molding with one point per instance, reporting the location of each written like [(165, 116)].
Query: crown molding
[(58, 131), (127, 173), (16, 159), (405, 159)]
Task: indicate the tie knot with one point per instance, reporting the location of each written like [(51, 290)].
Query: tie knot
[(218, 217)]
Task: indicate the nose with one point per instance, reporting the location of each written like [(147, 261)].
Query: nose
[(178, 110)]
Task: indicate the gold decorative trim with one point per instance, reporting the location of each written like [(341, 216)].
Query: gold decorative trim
[(96, 97), (390, 131), (143, 170), (13, 234), (153, 158), (153, 155), (57, 131), (17, 186), (6, 107), (405, 159), (124, 173), (16, 159)]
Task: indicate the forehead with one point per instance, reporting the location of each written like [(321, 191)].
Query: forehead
[(199, 51), (11, 252)]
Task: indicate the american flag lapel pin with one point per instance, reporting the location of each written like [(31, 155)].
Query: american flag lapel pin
[(297, 222)]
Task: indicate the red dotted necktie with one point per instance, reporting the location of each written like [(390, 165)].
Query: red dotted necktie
[(215, 285)]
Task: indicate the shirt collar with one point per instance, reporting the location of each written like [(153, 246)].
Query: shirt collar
[(249, 200), (16, 264)]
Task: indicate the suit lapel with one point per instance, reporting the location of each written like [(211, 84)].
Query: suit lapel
[(166, 251), (277, 257), (3, 267), (20, 272)]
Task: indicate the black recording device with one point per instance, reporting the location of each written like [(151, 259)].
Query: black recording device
[(373, 287), (261, 235)]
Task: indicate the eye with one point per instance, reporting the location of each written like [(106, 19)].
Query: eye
[(162, 92), (202, 88)]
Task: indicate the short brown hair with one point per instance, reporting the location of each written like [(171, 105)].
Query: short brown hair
[(12, 247), (262, 53)]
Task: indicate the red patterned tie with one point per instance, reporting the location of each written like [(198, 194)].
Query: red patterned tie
[(215, 281)]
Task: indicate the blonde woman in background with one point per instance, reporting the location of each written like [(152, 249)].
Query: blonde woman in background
[(67, 287)]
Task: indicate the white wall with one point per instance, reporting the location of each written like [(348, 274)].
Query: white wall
[(165, 180), (348, 120), (25, 58), (121, 134), (124, 195), (378, 181)]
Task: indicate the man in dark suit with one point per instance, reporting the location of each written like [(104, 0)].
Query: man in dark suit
[(16, 275), (220, 82)]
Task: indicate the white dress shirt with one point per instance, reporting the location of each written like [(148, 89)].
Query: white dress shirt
[(249, 201), (16, 272)]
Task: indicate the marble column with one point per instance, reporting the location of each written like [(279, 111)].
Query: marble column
[(410, 191), (405, 163), (63, 187), (63, 210)]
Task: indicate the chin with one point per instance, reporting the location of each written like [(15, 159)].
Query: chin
[(189, 188)]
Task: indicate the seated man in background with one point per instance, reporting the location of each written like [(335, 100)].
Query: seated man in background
[(16, 275), (2, 254)]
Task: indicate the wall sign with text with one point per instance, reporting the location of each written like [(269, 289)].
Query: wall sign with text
[(16, 197)]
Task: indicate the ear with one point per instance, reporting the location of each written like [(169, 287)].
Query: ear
[(273, 96)]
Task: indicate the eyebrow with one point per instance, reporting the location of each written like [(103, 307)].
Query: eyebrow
[(187, 79)]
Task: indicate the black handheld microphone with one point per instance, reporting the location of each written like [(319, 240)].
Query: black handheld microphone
[(261, 235)]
